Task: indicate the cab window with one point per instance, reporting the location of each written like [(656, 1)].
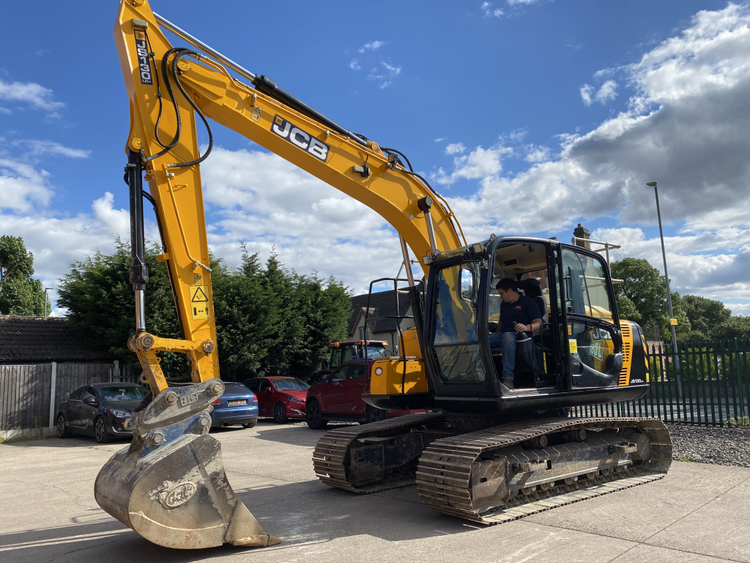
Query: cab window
[(586, 284)]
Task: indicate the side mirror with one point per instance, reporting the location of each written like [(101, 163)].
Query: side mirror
[(91, 401), (324, 365)]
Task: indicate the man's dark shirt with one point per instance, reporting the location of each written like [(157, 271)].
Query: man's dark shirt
[(522, 311)]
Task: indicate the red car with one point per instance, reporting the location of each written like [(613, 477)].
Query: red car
[(280, 397), (338, 396)]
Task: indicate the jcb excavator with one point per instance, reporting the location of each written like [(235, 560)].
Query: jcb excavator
[(481, 451)]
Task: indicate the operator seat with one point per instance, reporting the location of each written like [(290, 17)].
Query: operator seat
[(532, 288)]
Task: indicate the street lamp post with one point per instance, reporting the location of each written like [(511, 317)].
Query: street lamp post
[(669, 293)]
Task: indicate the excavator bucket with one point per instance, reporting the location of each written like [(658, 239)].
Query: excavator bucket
[(169, 485)]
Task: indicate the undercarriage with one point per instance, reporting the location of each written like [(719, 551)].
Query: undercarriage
[(499, 472)]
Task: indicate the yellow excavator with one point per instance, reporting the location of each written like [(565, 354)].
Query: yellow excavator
[(480, 451)]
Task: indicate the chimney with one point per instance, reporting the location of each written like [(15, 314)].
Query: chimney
[(582, 233)]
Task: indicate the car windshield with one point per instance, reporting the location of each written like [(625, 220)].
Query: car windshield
[(290, 384), (122, 393), (375, 351)]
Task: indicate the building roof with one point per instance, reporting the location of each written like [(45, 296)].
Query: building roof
[(382, 310), (26, 340)]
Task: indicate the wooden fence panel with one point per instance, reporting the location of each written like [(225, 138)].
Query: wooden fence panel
[(24, 396), (25, 390)]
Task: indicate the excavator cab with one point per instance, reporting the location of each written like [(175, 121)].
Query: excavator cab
[(579, 356)]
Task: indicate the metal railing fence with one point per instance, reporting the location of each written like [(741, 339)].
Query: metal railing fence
[(705, 383)]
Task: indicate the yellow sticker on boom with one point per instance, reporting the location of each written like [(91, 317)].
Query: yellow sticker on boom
[(199, 302)]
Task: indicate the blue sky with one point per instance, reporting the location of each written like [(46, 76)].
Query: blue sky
[(530, 116)]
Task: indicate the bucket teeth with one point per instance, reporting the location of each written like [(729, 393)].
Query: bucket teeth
[(169, 485)]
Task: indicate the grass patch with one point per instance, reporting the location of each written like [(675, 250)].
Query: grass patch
[(687, 458), (739, 422)]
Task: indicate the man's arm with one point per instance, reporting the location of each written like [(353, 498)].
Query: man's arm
[(532, 310), (536, 324)]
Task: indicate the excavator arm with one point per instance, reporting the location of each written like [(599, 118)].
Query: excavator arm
[(170, 485), (168, 88)]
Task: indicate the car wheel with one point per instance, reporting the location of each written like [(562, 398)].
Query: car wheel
[(250, 424), (279, 413), (100, 430), (373, 414), (61, 427), (314, 416)]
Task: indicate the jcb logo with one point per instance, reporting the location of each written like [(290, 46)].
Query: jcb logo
[(144, 67), (298, 137)]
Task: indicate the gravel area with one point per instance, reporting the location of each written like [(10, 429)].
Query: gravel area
[(710, 444)]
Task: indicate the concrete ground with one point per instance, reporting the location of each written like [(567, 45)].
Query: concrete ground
[(698, 513)]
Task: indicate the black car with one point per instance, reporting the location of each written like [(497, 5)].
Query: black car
[(99, 410)]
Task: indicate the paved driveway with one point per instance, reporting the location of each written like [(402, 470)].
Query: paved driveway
[(47, 513)]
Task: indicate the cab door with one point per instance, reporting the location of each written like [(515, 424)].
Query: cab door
[(594, 340)]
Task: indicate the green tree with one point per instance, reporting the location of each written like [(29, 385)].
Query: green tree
[(101, 304), (20, 294), (646, 290), (268, 321), (706, 315), (274, 322), (736, 326)]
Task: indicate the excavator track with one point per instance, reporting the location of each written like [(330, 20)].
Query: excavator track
[(488, 477), (332, 457), (499, 473)]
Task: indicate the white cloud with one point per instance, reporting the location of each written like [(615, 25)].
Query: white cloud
[(479, 163), (586, 91), (57, 242), (381, 71), (31, 93), (384, 76), (535, 153), (372, 46), (521, 2), (517, 135), (23, 187), (455, 148), (607, 92), (489, 12), (41, 148)]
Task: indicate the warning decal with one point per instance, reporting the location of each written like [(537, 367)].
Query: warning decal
[(198, 295), (199, 302)]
